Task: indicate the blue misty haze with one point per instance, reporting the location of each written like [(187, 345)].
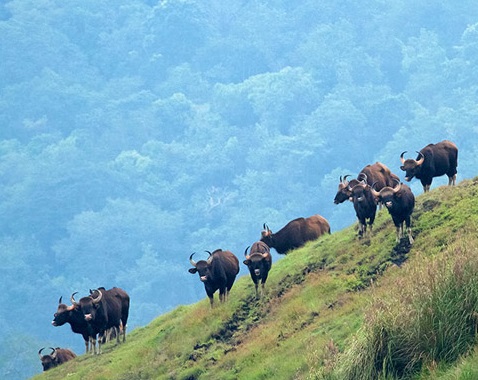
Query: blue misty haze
[(133, 134)]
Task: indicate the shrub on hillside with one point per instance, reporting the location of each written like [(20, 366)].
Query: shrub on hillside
[(430, 316)]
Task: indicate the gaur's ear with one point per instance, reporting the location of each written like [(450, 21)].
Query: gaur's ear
[(247, 262), (402, 167), (192, 270)]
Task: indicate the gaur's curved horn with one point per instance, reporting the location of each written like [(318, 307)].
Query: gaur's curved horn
[(72, 299), (97, 299), (193, 263), (401, 157), (245, 252), (375, 193), (396, 189), (53, 353), (59, 301), (73, 302), (421, 159), (343, 180), (364, 179), (40, 351), (92, 292), (209, 259)]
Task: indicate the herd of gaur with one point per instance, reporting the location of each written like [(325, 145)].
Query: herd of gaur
[(103, 314), (98, 317)]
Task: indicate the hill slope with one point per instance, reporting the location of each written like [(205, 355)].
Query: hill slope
[(316, 300)]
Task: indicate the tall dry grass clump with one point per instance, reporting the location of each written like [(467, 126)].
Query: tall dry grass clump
[(429, 315)]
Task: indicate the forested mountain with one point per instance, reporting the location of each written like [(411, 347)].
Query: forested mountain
[(133, 133)]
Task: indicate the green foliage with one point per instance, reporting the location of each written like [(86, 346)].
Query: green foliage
[(432, 319), (137, 132)]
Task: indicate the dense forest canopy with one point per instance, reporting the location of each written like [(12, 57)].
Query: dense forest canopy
[(135, 133)]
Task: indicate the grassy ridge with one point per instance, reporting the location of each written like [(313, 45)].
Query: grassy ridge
[(318, 307)]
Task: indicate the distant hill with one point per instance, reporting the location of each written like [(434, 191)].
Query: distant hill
[(322, 302)]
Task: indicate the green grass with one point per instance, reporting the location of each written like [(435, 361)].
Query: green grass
[(330, 307), (433, 319)]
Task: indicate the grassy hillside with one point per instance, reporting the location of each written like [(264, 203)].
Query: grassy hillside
[(327, 305)]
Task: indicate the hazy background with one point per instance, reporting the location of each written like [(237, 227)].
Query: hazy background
[(133, 133)]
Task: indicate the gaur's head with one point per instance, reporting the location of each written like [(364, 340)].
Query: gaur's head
[(202, 267), (387, 195), (358, 192), (267, 235), (90, 304), (410, 166), (48, 361), (256, 262), (62, 314)]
